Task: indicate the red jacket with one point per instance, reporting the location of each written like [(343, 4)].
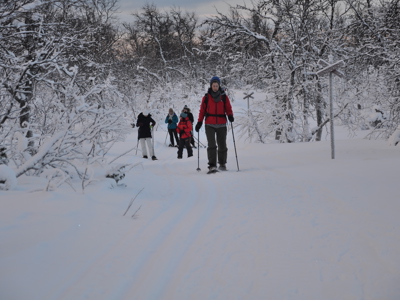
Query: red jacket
[(215, 112), (184, 128)]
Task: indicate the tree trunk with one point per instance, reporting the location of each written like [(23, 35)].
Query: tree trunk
[(25, 114), (288, 108), (319, 106)]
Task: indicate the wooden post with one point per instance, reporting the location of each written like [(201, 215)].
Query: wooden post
[(248, 96)]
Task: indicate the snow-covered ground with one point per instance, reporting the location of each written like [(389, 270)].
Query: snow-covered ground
[(291, 224)]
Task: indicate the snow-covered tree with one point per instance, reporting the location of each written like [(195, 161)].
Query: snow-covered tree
[(59, 103), (374, 33), (275, 46), (158, 66)]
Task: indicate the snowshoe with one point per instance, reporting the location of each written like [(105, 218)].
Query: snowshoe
[(154, 158), (212, 170), (145, 156), (222, 168)]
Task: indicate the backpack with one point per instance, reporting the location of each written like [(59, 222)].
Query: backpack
[(223, 98)]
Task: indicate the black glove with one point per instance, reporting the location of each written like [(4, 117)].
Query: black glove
[(198, 126), (230, 118), (169, 121)]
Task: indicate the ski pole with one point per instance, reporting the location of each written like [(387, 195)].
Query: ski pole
[(234, 145), (152, 140), (198, 152), (165, 142), (198, 140)]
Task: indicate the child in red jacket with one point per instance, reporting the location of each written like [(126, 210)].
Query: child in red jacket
[(184, 129)]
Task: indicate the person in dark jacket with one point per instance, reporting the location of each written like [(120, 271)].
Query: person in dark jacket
[(145, 123), (172, 121), (214, 108), (185, 132), (187, 111)]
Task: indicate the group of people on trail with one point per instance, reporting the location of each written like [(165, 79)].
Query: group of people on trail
[(215, 108), (172, 120)]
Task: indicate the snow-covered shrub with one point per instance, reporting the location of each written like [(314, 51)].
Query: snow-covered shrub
[(8, 180), (376, 116), (394, 139), (3, 156), (117, 173), (56, 178), (70, 130)]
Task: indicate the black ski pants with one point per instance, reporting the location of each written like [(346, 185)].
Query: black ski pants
[(216, 139), (172, 134), (182, 144)]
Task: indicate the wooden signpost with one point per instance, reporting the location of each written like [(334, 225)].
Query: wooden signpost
[(331, 68), (247, 97), (248, 104)]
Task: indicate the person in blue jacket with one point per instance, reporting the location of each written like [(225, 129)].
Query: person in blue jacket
[(172, 120)]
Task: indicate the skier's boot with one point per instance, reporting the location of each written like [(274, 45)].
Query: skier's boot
[(222, 168)]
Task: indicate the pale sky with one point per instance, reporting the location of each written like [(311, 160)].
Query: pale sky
[(202, 8)]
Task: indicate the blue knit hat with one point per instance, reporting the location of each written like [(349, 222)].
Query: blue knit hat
[(215, 79)]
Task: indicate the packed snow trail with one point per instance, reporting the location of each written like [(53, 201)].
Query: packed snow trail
[(291, 224)]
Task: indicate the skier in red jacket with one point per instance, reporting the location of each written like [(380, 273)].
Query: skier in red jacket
[(184, 129), (215, 107)]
